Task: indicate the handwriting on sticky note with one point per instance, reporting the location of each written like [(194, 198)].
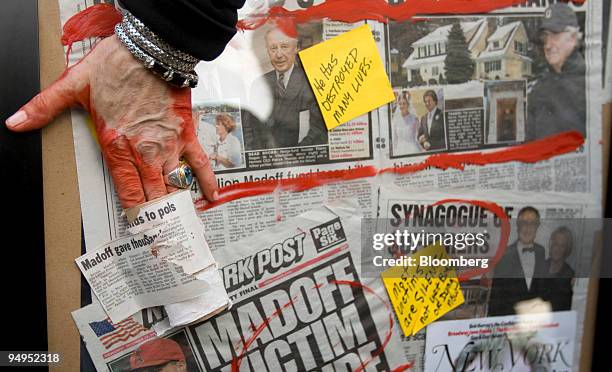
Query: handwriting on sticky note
[(347, 76), (422, 294)]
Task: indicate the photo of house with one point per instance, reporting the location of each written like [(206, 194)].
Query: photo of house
[(499, 48), (506, 54), (426, 63)]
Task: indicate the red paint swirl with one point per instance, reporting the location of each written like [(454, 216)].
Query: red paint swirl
[(257, 330), (498, 211)]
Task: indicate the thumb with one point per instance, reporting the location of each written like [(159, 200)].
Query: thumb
[(49, 103)]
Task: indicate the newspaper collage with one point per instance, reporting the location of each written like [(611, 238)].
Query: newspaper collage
[(505, 100), (482, 293), (305, 309)]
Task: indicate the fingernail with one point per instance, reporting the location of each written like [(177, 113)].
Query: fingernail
[(215, 196), (16, 119)]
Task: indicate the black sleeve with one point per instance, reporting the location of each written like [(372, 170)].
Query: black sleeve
[(201, 28)]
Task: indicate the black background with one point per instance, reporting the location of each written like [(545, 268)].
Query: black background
[(24, 317)]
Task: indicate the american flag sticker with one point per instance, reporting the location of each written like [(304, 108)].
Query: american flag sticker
[(110, 333)]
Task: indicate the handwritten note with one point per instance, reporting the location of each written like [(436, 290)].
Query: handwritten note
[(422, 294), (347, 76)]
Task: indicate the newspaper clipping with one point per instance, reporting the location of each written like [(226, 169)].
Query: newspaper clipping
[(556, 231), (484, 83), (299, 304), (519, 342), (154, 266)]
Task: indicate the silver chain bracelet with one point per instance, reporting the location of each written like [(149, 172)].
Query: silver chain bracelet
[(155, 51), (174, 66)]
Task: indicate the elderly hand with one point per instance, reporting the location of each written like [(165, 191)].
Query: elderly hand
[(143, 124)]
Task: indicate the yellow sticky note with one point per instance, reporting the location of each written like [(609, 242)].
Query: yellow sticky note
[(347, 76), (422, 294)]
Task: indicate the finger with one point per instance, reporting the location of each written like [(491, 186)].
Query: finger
[(169, 166), (152, 180), (199, 162), (149, 164), (49, 103), (121, 164)]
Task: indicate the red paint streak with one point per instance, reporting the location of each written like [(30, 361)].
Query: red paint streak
[(532, 152), (306, 182), (257, 330), (96, 21), (503, 241), (403, 367), (299, 267), (376, 10), (99, 20)]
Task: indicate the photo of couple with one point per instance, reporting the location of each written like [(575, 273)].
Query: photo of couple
[(417, 122), (529, 271)]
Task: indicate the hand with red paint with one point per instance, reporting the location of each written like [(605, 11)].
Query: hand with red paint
[(144, 125)]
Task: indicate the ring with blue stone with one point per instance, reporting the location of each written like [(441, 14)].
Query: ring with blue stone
[(181, 177)]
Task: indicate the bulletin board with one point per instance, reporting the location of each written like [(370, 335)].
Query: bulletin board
[(63, 215)]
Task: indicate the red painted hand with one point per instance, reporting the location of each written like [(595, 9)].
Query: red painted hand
[(144, 125)]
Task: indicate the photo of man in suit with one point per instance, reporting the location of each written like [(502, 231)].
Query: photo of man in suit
[(431, 130), (518, 276), (295, 119)]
